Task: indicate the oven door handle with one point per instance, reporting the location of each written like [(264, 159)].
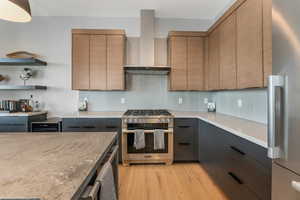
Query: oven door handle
[(145, 131)]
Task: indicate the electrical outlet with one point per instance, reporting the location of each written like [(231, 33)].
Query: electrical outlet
[(240, 103), (123, 101), (205, 100), (180, 100)]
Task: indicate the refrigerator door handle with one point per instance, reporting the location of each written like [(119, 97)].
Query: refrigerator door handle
[(296, 185), (274, 83)]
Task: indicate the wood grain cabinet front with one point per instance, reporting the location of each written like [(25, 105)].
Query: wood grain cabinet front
[(98, 59), (186, 58), (239, 47)]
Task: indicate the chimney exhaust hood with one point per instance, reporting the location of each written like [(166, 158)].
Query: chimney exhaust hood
[(147, 48)]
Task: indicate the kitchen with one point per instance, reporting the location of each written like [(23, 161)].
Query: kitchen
[(148, 100)]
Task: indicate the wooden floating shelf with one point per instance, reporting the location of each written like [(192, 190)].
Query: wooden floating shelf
[(22, 87), (22, 62)]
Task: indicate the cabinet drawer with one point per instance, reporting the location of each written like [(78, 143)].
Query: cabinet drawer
[(253, 151), (252, 174), (13, 124), (185, 130), (232, 186), (111, 125), (81, 125), (184, 151)]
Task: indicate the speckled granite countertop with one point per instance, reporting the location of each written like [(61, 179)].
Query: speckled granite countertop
[(249, 130), (48, 166)]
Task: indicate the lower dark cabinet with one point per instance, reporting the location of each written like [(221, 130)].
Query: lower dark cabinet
[(239, 167), (19, 123), (94, 125), (185, 139)]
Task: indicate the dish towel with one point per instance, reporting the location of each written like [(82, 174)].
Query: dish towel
[(106, 178), (139, 139), (159, 139)]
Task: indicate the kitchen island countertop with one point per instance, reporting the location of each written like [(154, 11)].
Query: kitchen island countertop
[(49, 166)]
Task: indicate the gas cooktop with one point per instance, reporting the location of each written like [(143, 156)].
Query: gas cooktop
[(147, 113)]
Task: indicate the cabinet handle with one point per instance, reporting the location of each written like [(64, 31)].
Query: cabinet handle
[(183, 126), (184, 143), (74, 127), (237, 150), (110, 127), (89, 127), (236, 178)]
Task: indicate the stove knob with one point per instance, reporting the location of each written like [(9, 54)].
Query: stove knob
[(125, 120), (162, 120), (167, 120)]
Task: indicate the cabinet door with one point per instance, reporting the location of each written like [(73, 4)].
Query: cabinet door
[(185, 140), (115, 62), (195, 63), (81, 62), (228, 53), (249, 44), (98, 62), (178, 63), (213, 60)]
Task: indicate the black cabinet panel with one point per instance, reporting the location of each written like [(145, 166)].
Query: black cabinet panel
[(19, 124), (239, 167), (185, 139), (81, 125)]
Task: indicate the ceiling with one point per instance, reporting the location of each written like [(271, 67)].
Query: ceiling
[(194, 9)]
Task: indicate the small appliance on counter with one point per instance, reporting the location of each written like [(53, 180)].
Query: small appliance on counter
[(211, 107), (83, 106), (50, 125)]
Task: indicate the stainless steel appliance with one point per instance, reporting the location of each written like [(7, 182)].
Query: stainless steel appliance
[(148, 120), (50, 125), (284, 101)]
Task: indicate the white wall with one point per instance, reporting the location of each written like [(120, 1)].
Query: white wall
[(51, 38)]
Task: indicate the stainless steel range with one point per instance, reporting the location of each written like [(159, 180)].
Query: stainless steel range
[(148, 121)]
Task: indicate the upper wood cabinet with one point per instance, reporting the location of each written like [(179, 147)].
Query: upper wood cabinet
[(186, 58), (228, 68), (239, 47), (250, 71), (81, 62), (115, 62), (195, 70), (213, 68), (178, 62), (98, 59)]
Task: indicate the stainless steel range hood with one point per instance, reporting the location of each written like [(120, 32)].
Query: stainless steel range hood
[(147, 48)]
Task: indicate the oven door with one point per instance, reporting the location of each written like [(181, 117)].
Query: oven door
[(149, 142)]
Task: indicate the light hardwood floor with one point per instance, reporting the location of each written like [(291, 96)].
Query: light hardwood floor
[(174, 182)]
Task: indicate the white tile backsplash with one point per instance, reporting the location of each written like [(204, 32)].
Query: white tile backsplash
[(254, 104)]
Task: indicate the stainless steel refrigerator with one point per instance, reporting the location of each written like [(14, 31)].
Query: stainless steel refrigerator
[(284, 101)]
